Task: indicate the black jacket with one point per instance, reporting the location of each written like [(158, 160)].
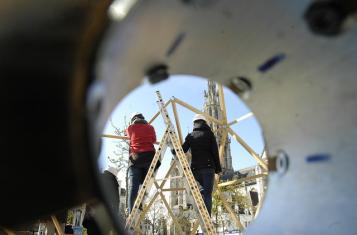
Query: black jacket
[(204, 149)]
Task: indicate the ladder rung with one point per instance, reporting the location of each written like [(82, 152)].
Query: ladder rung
[(170, 178), (173, 189), (170, 138)]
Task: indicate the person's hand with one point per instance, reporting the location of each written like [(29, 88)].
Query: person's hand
[(217, 177)]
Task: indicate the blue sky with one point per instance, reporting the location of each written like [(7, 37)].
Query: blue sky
[(189, 89)]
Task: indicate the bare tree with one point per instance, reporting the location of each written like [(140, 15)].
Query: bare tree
[(155, 215), (121, 153)]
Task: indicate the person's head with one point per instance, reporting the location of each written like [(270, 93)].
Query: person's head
[(199, 118), (135, 116)]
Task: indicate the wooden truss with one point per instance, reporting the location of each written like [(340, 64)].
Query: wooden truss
[(225, 128), (169, 139)]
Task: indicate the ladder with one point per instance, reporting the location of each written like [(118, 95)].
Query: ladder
[(170, 139), (134, 215)]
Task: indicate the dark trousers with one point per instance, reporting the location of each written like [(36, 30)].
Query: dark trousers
[(136, 177), (205, 179)]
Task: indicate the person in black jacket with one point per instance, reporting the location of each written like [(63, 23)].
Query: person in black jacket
[(205, 158)]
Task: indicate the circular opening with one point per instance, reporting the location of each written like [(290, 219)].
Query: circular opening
[(169, 201)]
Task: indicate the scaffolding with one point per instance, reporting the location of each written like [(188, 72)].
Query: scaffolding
[(174, 140), (170, 139)]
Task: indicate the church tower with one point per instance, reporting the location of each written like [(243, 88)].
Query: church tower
[(213, 108)]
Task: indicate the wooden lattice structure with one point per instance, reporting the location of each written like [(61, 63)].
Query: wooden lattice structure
[(171, 139)]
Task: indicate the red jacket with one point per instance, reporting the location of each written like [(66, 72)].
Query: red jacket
[(142, 137)]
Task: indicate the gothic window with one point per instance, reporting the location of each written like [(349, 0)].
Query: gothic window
[(254, 197)]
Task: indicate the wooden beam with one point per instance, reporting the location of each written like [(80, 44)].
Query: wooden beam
[(193, 109), (115, 137), (173, 164), (146, 208), (221, 146), (173, 189), (239, 181), (119, 137), (177, 120), (178, 226), (195, 227), (57, 225), (246, 116), (171, 178), (222, 103), (248, 149), (158, 113), (142, 214), (231, 213)]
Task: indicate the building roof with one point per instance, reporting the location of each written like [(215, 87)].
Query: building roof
[(242, 173)]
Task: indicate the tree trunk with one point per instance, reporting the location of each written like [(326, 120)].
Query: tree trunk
[(223, 226), (217, 225)]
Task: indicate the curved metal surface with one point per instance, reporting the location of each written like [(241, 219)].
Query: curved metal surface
[(46, 51), (306, 103)]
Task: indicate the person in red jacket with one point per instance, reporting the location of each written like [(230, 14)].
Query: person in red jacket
[(141, 153)]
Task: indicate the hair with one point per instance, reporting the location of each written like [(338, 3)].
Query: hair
[(137, 116), (200, 121)]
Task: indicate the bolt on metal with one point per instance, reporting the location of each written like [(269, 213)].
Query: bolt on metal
[(279, 163), (241, 86)]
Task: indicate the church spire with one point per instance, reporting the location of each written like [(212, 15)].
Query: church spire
[(212, 107)]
